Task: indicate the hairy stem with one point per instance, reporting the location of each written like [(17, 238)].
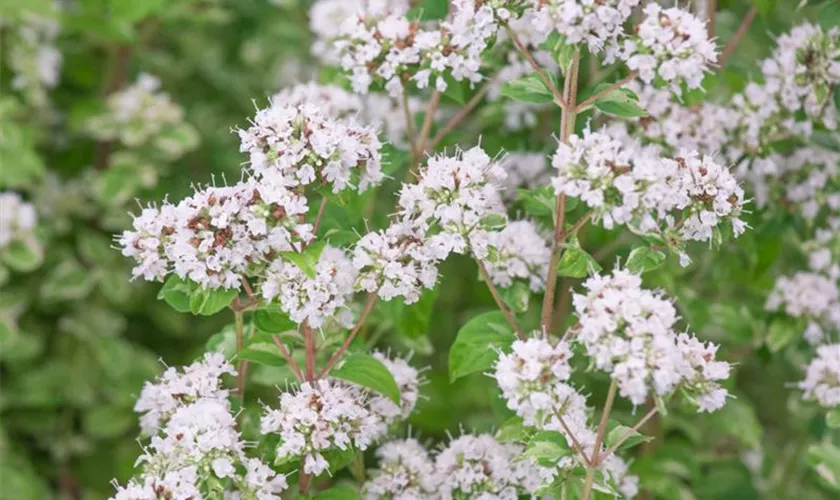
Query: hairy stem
[(499, 301), (599, 438), (241, 369), (371, 301), (567, 124), (309, 341), (609, 451), (288, 357), (429, 119), (575, 442), (320, 215), (561, 100), (736, 38)]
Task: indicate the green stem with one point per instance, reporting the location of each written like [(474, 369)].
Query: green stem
[(241, 370)]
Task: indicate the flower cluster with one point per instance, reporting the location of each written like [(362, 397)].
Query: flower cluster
[(629, 332), (142, 113), (519, 251), (395, 262), (17, 219), (811, 296), (529, 377), (456, 202), (327, 19), (405, 471), (196, 451), (386, 47), (293, 146), (822, 380), (34, 59), (408, 381), (598, 24), (217, 235), (678, 199), (201, 380), (793, 96), (670, 47), (319, 417), (379, 111), (312, 299), (478, 466)]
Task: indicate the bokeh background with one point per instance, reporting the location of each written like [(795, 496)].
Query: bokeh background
[(79, 338)]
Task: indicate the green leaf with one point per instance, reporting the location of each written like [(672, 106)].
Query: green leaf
[(618, 431), (272, 320), (135, 10), (825, 460), (176, 292), (826, 140), (207, 302), (513, 429), (263, 354), (781, 333), (22, 256), (428, 10), (644, 259), (539, 202), (531, 89), (367, 371), (560, 49), (477, 343), (107, 421), (738, 419), (517, 296), (619, 102), (67, 281), (764, 7), (307, 259), (412, 320), (493, 221), (547, 447), (338, 492), (577, 263), (832, 419)]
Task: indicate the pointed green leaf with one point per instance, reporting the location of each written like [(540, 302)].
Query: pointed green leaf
[(476, 346), (367, 371)]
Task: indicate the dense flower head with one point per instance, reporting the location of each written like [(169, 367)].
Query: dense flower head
[(201, 380), (396, 262), (518, 252), (408, 381), (810, 296), (822, 380), (327, 20), (33, 57), (137, 114), (670, 47), (629, 332), (382, 112), (528, 377), (478, 466), (312, 299), (598, 24), (386, 47), (405, 471), (217, 235), (17, 218), (456, 201), (195, 450), (318, 417), (294, 146), (680, 199)]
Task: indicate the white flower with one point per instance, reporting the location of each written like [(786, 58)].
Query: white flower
[(518, 251), (218, 235), (312, 299), (811, 296), (405, 472), (670, 45), (528, 377), (291, 146), (319, 417), (481, 467), (822, 381), (395, 262), (408, 382), (524, 170), (598, 24), (455, 202), (17, 218), (33, 58), (629, 333)]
